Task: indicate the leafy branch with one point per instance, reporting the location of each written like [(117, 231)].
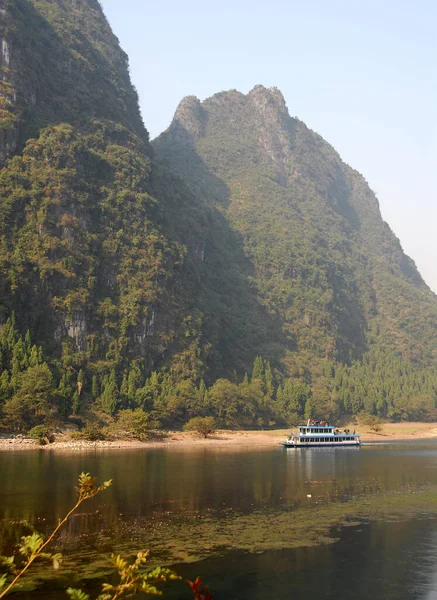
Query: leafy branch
[(132, 580), (132, 576), (33, 546)]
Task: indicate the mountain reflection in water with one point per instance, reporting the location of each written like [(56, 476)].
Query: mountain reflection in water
[(183, 503)]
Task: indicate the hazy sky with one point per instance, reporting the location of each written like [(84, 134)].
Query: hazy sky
[(360, 73)]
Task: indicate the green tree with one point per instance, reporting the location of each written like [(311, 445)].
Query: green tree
[(110, 397), (33, 399), (95, 389), (258, 369), (204, 426), (133, 423)]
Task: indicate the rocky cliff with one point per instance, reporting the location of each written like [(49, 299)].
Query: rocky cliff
[(239, 233), (324, 262)]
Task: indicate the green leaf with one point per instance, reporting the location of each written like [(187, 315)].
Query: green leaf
[(77, 594), (3, 579), (31, 544), (7, 561)]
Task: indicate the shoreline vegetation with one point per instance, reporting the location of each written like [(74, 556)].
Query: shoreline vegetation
[(390, 432)]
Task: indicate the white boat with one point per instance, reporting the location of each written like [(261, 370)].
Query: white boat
[(316, 434)]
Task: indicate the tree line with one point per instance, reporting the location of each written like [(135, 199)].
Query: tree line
[(34, 391)]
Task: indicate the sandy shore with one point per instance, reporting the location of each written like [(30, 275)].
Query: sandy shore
[(390, 432)]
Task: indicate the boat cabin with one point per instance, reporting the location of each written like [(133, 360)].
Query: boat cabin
[(317, 434)]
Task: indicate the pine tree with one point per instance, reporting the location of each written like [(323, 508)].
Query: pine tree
[(20, 360), (124, 388), (76, 403), (309, 409), (269, 379), (110, 397), (95, 391), (5, 386), (65, 394), (258, 369), (28, 341), (203, 392), (34, 357), (134, 381)]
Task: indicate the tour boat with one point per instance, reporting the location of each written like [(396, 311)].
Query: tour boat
[(315, 433)]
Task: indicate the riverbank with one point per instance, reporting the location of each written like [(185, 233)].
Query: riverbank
[(390, 432)]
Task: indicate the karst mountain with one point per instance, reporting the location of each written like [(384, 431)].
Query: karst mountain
[(238, 235)]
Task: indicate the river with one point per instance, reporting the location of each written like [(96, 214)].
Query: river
[(254, 523)]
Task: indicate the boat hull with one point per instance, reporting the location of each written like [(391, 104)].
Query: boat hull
[(322, 445)]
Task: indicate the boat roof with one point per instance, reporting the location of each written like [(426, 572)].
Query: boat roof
[(319, 426)]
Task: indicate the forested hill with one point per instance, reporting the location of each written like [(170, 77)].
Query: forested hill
[(239, 269), (91, 268), (325, 264)]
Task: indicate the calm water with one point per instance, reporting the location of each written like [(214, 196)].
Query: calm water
[(255, 524)]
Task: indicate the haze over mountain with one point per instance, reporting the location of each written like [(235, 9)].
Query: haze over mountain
[(130, 275)]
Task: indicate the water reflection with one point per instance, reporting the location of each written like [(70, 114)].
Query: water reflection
[(40, 485), (156, 490)]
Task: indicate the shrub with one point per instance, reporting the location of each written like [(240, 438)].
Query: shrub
[(43, 433), (201, 425), (371, 421), (91, 432), (132, 423)]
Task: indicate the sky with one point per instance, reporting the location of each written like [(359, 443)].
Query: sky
[(363, 74)]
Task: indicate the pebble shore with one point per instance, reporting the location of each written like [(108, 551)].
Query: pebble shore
[(390, 432)]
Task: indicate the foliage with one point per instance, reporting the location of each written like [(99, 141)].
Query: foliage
[(30, 405), (204, 426), (43, 433), (322, 260), (200, 593), (132, 580), (92, 432), (133, 278), (132, 423), (33, 546), (371, 421)]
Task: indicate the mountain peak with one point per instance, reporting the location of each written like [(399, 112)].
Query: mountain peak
[(262, 96), (189, 119)]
